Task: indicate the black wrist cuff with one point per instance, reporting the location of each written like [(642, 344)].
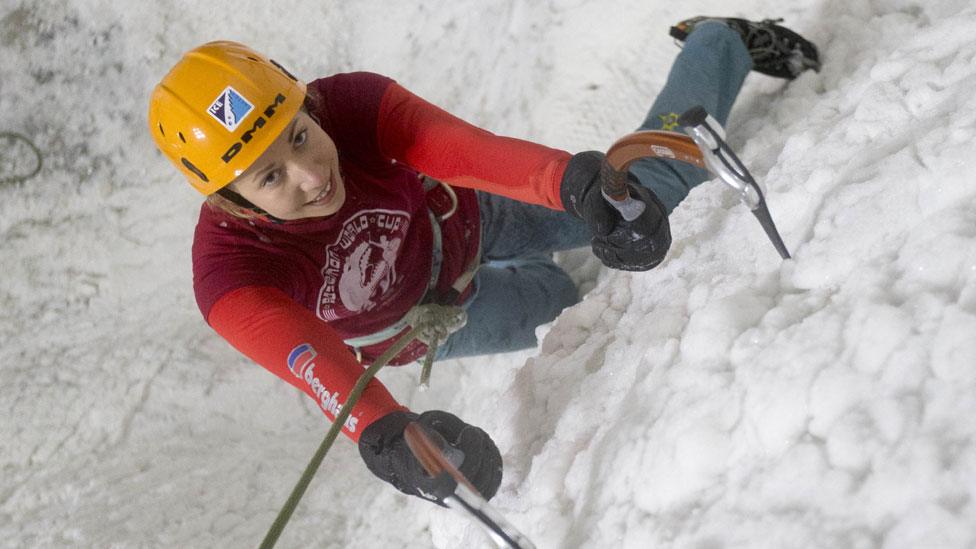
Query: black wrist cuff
[(581, 177)]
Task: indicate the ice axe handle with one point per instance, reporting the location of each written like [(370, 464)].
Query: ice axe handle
[(665, 145), (613, 184)]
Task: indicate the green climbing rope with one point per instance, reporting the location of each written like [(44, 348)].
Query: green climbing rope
[(4, 179), (278, 526), (425, 370)]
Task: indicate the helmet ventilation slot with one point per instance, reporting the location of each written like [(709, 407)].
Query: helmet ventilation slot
[(189, 165)]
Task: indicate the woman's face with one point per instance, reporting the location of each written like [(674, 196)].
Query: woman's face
[(297, 176)]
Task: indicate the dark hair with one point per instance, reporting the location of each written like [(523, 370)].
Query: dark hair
[(314, 106)]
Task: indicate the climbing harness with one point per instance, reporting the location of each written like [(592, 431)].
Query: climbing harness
[(431, 296), (7, 164)]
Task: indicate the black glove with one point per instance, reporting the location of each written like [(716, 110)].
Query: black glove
[(387, 456), (637, 245)]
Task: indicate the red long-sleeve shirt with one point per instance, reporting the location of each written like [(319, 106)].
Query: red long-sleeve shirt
[(287, 295)]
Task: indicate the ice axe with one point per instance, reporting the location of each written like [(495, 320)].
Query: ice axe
[(465, 498), (703, 147)]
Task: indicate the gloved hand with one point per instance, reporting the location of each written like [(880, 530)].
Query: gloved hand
[(387, 456), (637, 245)]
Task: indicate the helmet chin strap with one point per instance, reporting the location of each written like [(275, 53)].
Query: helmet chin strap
[(236, 198)]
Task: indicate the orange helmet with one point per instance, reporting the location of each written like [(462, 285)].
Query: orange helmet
[(218, 109)]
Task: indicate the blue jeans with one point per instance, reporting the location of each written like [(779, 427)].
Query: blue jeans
[(518, 286)]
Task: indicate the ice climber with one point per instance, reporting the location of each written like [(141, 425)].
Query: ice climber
[(335, 207)]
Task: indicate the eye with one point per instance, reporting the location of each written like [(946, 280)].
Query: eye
[(270, 179), (300, 138)]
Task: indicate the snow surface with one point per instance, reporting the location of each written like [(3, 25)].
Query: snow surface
[(725, 399)]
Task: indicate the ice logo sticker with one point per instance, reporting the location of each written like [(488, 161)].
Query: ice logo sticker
[(230, 108), (300, 359)]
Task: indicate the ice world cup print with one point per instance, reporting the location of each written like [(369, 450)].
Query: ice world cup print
[(360, 267)]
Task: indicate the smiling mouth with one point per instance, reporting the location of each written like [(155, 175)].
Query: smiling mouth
[(317, 201)]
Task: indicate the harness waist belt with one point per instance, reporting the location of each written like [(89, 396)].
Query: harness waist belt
[(437, 254)]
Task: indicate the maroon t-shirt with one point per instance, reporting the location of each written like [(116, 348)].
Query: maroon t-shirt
[(362, 268), (287, 294)]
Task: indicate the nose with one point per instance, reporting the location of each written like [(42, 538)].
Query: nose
[(309, 176)]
